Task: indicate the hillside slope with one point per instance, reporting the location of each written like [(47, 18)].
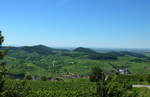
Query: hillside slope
[(45, 61)]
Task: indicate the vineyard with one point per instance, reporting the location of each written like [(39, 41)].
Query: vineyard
[(78, 88), (71, 88)]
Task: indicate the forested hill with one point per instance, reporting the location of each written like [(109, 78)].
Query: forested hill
[(40, 49), (84, 50), (41, 60)]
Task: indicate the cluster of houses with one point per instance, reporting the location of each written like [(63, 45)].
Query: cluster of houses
[(120, 69)]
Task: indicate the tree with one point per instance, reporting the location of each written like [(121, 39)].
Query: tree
[(28, 77), (97, 74), (43, 78), (148, 78), (99, 77), (2, 64), (112, 85)]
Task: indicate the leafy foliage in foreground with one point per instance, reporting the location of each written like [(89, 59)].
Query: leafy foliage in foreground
[(113, 85), (78, 88), (2, 64), (69, 88)]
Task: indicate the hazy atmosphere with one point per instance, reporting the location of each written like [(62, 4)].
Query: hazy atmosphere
[(73, 23)]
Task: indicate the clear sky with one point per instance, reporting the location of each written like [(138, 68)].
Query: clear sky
[(73, 23)]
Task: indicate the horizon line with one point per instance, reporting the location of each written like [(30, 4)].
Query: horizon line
[(79, 46)]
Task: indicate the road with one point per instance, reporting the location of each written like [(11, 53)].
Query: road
[(141, 86)]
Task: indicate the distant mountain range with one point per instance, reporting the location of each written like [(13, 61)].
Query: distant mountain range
[(42, 49)]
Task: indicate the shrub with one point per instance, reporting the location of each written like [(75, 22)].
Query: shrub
[(43, 78), (28, 77)]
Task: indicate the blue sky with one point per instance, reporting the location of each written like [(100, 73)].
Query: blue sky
[(73, 23)]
